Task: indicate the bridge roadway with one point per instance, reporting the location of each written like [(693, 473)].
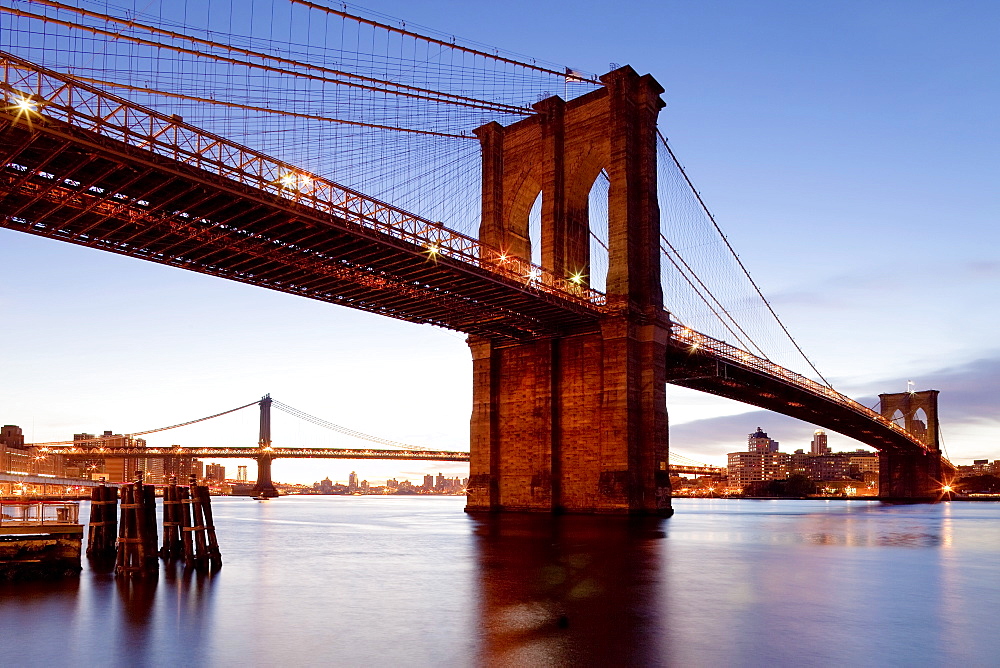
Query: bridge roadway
[(273, 453), (304, 453), (83, 166)]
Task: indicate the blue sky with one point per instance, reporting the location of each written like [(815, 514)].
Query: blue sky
[(849, 151)]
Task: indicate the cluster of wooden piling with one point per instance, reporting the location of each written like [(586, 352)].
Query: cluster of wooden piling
[(137, 530), (188, 528), (103, 523)]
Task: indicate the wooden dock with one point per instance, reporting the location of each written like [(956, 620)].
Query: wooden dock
[(39, 539)]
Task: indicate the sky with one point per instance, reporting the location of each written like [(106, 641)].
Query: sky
[(850, 151)]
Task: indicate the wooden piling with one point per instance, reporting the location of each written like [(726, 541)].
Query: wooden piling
[(136, 555), (149, 538), (103, 525), (213, 554), (126, 557), (173, 543), (188, 542), (201, 547), (198, 527)]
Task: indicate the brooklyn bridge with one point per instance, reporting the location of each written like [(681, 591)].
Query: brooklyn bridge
[(571, 275)]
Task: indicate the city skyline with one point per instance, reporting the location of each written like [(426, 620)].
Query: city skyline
[(871, 124)]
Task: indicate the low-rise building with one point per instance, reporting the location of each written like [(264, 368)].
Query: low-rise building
[(762, 461), (746, 467)]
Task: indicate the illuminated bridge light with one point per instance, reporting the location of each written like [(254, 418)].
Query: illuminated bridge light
[(293, 181), (25, 105)]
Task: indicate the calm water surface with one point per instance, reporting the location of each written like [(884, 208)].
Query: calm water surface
[(414, 581)]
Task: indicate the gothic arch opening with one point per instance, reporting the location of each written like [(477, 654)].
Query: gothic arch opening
[(919, 425), (597, 215), (535, 231), (521, 240)]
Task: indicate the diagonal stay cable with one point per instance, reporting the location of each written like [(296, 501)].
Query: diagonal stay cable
[(266, 110), (708, 213), (674, 253)]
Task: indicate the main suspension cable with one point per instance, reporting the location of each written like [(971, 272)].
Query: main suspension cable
[(364, 83), (570, 75), (142, 433)]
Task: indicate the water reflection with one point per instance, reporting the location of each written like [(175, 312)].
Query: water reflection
[(568, 590), (137, 596), (417, 582)]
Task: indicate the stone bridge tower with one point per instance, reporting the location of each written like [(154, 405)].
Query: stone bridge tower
[(912, 476), (577, 422)]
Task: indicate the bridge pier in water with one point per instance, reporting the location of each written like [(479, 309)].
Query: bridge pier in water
[(576, 421), (912, 477)]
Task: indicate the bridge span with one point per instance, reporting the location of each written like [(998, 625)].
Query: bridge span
[(569, 407), (264, 453)]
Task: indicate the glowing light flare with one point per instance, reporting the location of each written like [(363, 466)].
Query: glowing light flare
[(25, 105), (433, 251), (295, 181), (534, 274), (577, 278)]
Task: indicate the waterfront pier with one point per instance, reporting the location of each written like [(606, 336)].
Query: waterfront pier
[(39, 539)]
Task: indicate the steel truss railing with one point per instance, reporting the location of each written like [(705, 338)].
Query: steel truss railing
[(698, 470), (38, 93), (720, 349), (313, 453)]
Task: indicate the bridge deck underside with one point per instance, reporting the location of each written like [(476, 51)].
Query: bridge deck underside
[(66, 183), (706, 373)]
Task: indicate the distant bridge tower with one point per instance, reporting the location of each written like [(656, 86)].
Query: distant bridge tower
[(912, 476), (576, 422), (264, 486)]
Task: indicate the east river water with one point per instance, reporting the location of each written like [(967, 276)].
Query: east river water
[(414, 581)]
